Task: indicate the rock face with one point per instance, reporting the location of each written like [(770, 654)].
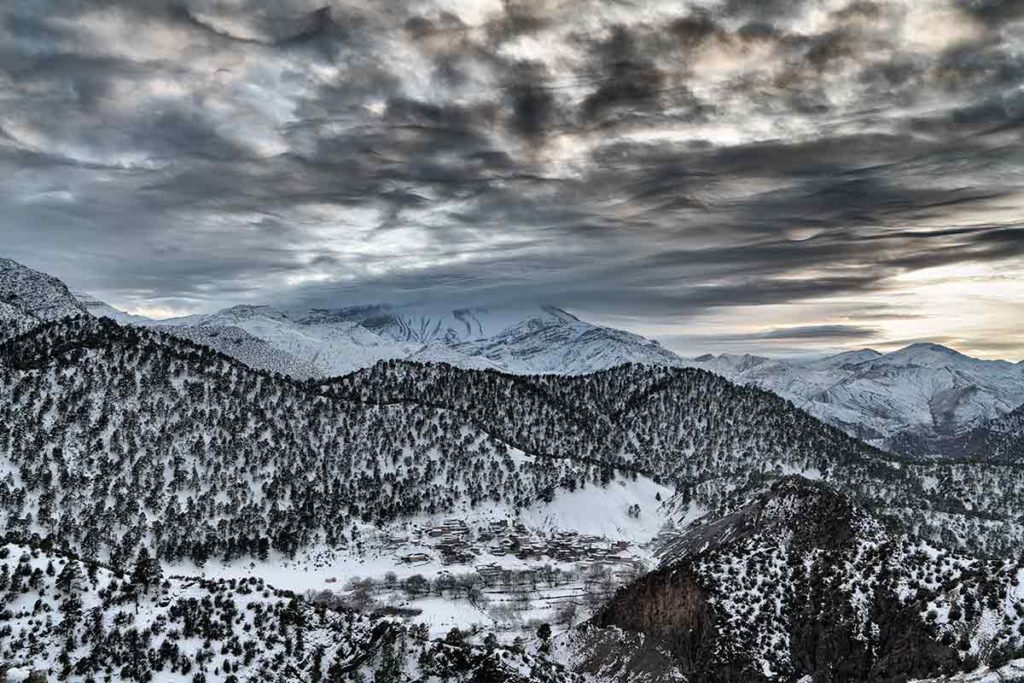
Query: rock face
[(672, 609), (802, 581), (29, 298)]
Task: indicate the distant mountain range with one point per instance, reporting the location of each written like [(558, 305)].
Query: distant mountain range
[(325, 343), (914, 401), (922, 400)]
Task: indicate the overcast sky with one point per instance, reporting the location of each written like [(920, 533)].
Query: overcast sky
[(765, 175)]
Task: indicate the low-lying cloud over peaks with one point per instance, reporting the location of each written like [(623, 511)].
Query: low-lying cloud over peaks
[(667, 164)]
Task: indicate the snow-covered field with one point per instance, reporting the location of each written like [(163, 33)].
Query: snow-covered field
[(612, 529)]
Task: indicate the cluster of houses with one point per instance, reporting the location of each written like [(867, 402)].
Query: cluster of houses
[(455, 542)]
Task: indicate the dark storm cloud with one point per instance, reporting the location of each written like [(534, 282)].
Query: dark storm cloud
[(627, 78), (531, 103), (663, 161), (696, 28), (785, 341), (819, 332), (996, 12)]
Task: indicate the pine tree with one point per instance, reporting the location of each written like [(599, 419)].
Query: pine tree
[(391, 665), (544, 633), (147, 572), (316, 672), (69, 580)]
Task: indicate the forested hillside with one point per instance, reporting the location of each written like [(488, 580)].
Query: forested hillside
[(112, 436), (78, 620), (803, 581), (709, 438)]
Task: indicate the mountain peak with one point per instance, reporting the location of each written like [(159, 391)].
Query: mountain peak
[(930, 347), (559, 313), (859, 353), (730, 364), (925, 353)]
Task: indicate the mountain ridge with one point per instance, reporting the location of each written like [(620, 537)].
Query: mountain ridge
[(917, 400), (910, 400), (525, 340)]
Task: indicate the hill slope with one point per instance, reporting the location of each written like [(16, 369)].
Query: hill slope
[(110, 436), (802, 581), (72, 619), (29, 298)]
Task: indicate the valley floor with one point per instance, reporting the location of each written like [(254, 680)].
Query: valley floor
[(492, 569)]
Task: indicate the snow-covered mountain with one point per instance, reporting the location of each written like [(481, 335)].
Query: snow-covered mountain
[(101, 309), (534, 340), (525, 340), (908, 401), (28, 298)]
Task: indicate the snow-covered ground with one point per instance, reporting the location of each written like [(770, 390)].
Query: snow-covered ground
[(1011, 671), (612, 529)]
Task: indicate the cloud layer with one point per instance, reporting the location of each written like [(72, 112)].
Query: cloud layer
[(713, 171)]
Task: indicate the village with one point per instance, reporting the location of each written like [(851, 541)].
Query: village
[(497, 574), (455, 542)]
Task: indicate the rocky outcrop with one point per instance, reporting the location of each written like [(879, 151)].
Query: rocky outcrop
[(802, 582)]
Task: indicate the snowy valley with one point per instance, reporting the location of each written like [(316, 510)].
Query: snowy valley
[(648, 520)]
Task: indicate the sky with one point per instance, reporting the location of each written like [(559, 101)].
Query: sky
[(771, 176)]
